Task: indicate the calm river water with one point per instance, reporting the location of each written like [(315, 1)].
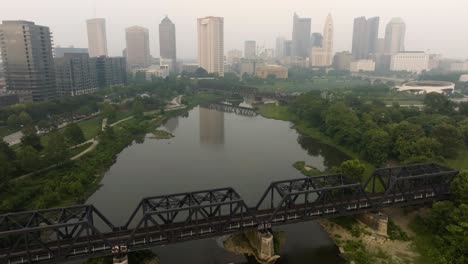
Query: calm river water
[(214, 149)]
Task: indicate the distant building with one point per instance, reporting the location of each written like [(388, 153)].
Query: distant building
[(250, 49), (167, 42), (26, 50), (75, 74), (362, 66), (287, 52), (190, 68), (248, 66), (395, 36), (301, 36), (316, 40), (138, 50), (459, 66), (365, 37), (59, 52), (211, 44), (427, 86), (278, 71), (342, 61), (280, 41), (234, 56), (8, 99), (323, 56), (97, 39), (153, 72), (416, 62), (110, 71)]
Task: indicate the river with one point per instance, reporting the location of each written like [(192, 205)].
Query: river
[(213, 149)]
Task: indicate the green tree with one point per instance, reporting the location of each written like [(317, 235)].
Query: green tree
[(5, 149), (30, 138), (28, 159), (44, 125), (343, 125), (109, 111), (138, 108), (376, 145), (450, 138), (12, 121), (459, 187), (73, 134), (57, 150), (436, 103), (6, 167), (420, 150), (200, 72), (25, 119), (354, 169)]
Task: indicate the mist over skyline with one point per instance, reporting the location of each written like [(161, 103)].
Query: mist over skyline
[(432, 25)]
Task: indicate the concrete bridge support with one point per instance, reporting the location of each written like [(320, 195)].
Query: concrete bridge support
[(378, 221), (120, 255), (263, 244)]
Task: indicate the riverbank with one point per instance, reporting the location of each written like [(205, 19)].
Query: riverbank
[(282, 113)]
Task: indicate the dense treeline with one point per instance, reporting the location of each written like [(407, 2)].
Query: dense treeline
[(380, 133), (70, 183)]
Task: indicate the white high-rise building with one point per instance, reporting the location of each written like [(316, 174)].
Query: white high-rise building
[(395, 36), (323, 56), (97, 40), (279, 51), (211, 44), (362, 65), (415, 61)]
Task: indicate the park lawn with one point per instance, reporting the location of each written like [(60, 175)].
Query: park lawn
[(275, 112), (78, 150), (91, 127)]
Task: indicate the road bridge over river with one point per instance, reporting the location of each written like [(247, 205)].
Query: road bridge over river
[(82, 231)]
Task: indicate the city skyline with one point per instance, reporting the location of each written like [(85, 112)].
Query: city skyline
[(264, 31)]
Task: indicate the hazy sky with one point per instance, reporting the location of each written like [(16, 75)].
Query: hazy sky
[(432, 25)]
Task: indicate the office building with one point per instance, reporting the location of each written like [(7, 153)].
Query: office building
[(411, 61), (395, 36), (97, 39), (365, 37), (264, 71), (316, 40), (138, 50), (362, 66), (461, 66), (287, 52), (110, 71), (250, 49), (323, 56), (301, 36), (59, 52), (190, 67), (342, 61), (26, 50), (167, 42), (279, 50), (211, 44), (234, 56), (75, 74)]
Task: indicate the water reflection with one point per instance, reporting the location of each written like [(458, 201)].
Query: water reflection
[(331, 155), (172, 124), (211, 127)]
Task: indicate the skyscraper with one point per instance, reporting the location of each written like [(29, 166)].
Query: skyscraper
[(301, 36), (26, 50), (75, 74), (250, 49), (279, 50), (97, 40), (323, 56), (395, 36), (211, 44), (138, 52), (167, 41), (316, 39), (365, 35)]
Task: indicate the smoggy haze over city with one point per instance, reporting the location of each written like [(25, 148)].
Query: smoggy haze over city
[(432, 25)]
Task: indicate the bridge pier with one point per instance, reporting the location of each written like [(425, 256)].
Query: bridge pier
[(378, 221), (120, 255), (263, 244)]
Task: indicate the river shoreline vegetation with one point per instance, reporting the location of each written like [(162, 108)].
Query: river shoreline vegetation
[(376, 134)]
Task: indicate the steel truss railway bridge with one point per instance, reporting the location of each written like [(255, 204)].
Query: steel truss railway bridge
[(82, 231), (228, 108)]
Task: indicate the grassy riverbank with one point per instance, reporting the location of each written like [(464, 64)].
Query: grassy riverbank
[(282, 113)]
